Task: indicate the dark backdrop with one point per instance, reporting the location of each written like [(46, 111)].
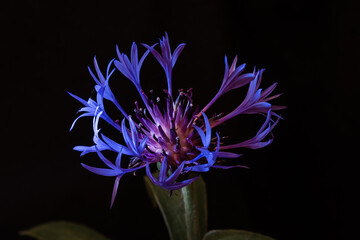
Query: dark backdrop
[(297, 188)]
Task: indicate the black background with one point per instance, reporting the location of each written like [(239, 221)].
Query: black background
[(300, 187)]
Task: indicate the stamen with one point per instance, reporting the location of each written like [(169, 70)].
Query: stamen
[(133, 162), (139, 128), (155, 138), (163, 151), (173, 136), (162, 133), (170, 107), (145, 112), (147, 148), (162, 143), (177, 147), (170, 97), (177, 101), (219, 115), (189, 91), (190, 142), (143, 93), (188, 96), (139, 115)]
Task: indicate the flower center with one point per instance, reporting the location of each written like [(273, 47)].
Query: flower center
[(168, 126)]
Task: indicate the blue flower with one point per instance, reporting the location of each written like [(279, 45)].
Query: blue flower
[(170, 131)]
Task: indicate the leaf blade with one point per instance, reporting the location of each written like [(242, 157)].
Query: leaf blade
[(234, 234), (62, 230)]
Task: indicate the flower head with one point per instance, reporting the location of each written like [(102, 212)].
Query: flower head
[(171, 132)]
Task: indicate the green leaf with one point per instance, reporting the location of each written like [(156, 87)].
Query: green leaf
[(184, 212), (62, 230), (233, 234)]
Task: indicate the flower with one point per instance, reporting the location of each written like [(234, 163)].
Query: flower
[(171, 132)]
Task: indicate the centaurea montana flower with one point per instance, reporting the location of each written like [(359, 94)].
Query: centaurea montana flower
[(175, 135)]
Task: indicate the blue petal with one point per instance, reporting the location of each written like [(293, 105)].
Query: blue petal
[(198, 168), (259, 144), (262, 135), (208, 131), (108, 69), (134, 55), (226, 73), (176, 173), (105, 160), (116, 146), (179, 185), (227, 155), (142, 145), (176, 53), (252, 89), (233, 65), (118, 159), (228, 167), (85, 103), (260, 105), (100, 75), (127, 63), (209, 157), (127, 138), (93, 76), (134, 133), (163, 171), (82, 115), (196, 158), (151, 177), (116, 185), (201, 134), (240, 81), (267, 121), (145, 55), (103, 171), (123, 70), (156, 54), (85, 149)]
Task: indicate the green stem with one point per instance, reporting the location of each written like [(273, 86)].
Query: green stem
[(184, 212)]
